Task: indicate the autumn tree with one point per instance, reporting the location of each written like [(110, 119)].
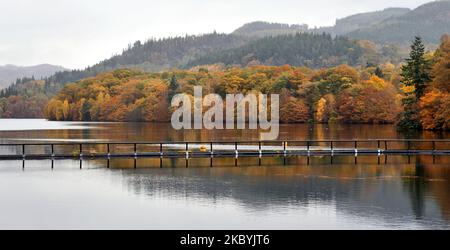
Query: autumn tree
[(294, 110), (435, 110), (369, 102), (435, 105), (441, 70)]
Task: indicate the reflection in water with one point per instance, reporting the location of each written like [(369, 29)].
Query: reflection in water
[(163, 132), (394, 194), (375, 193), (378, 196)]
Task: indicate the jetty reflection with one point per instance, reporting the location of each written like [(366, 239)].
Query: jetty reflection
[(417, 192)]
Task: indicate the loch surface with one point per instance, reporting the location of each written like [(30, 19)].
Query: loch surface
[(396, 194)]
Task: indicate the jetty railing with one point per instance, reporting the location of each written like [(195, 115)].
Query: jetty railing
[(222, 149)]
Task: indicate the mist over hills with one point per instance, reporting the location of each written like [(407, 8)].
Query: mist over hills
[(9, 73)]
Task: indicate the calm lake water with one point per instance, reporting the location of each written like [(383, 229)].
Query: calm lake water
[(393, 195)]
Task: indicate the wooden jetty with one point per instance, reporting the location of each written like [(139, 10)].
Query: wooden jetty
[(224, 149)]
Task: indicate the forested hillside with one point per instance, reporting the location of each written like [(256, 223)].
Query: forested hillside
[(337, 94), (301, 49), (254, 46), (156, 55), (369, 94), (26, 98)]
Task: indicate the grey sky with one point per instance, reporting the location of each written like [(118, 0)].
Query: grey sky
[(79, 33)]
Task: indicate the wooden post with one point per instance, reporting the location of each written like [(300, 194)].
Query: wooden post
[(356, 152), (332, 152), (259, 153), (187, 154), (385, 155), (284, 153), (108, 152), (81, 156), (434, 152), (379, 151), (23, 151), (236, 154), (409, 151), (309, 152), (161, 155), (135, 155), (212, 155)]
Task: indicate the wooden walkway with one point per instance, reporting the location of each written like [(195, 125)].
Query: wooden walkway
[(224, 149)]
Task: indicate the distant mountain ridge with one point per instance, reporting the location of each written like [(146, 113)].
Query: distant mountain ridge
[(10, 73), (262, 29), (391, 25), (364, 20), (429, 21)]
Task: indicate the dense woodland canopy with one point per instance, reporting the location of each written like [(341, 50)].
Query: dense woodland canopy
[(336, 94), (24, 99), (302, 49)]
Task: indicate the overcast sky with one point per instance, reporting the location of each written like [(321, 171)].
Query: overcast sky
[(79, 33)]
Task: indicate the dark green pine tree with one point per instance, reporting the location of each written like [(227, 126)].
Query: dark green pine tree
[(379, 72), (416, 72), (85, 111), (173, 87)]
